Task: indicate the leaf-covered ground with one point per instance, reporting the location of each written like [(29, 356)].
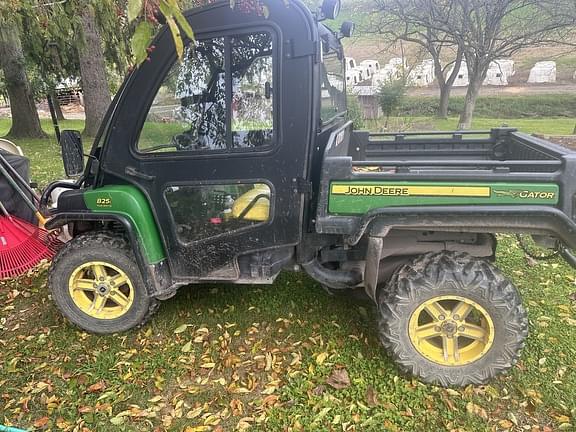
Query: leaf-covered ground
[(284, 357), (288, 357)]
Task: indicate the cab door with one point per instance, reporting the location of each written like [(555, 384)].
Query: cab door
[(217, 151)]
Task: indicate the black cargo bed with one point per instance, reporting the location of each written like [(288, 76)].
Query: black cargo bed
[(502, 150)]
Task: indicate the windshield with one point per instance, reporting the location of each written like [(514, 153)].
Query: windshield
[(333, 79)]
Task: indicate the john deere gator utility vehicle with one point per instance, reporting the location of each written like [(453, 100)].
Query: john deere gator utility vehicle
[(238, 162)]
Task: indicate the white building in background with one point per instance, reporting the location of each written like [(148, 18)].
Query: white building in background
[(543, 72), (423, 74), (361, 74), (383, 75), (496, 76), (357, 72), (508, 66), (352, 78), (499, 72), (462, 79), (372, 65), (350, 63), (366, 71), (398, 62), (393, 70)]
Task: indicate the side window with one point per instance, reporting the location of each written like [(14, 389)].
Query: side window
[(205, 211), (219, 98)]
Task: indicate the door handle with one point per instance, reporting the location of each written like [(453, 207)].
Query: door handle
[(133, 172)]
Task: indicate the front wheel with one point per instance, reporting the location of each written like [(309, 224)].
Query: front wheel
[(97, 285), (452, 319)]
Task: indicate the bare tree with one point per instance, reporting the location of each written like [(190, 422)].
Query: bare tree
[(483, 30), (492, 29), (407, 20)]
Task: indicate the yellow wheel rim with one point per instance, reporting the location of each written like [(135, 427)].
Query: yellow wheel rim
[(101, 290), (451, 330)]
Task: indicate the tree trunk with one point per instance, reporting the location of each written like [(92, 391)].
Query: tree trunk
[(92, 72), (477, 77), (445, 91), (467, 115), (25, 120), (57, 106), (446, 83)]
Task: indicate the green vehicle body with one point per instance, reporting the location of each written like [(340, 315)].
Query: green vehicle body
[(128, 202), (346, 198), (359, 197)]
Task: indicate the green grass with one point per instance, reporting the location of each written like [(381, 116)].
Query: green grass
[(505, 107), (44, 154), (225, 357), (545, 126)]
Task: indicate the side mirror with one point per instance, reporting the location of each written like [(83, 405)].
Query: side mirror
[(330, 9), (347, 29), (72, 152)]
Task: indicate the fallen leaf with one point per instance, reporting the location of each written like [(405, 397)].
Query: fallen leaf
[(407, 413), (117, 421), (270, 400), (474, 409), (181, 329), (505, 424), (194, 413), (321, 358), (318, 390), (372, 397), (339, 379), (452, 392), (449, 402), (41, 422), (95, 388)]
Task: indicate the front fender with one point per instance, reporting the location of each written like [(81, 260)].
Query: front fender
[(119, 202), (157, 275)]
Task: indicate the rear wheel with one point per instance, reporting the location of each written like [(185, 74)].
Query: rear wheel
[(97, 285), (452, 319)]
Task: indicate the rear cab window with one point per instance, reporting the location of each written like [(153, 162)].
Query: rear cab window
[(332, 77)]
